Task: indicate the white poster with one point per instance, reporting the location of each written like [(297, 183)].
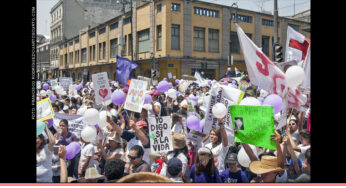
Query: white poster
[(65, 82), (101, 87), (75, 122), (136, 95), (160, 134)]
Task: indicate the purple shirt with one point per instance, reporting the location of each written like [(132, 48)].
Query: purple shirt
[(66, 140), (230, 177), (204, 177)]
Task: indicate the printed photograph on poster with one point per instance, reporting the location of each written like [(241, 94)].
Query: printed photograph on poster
[(44, 110)]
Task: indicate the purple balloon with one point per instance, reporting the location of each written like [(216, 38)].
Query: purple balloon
[(113, 82), (165, 79), (233, 82), (78, 87), (147, 99), (163, 86), (225, 83), (118, 97), (234, 86), (50, 122), (229, 69), (52, 97), (192, 122), (170, 85), (177, 81), (45, 86), (201, 125), (177, 93), (275, 101), (209, 82), (72, 150)]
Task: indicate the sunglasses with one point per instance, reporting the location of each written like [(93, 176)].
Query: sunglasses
[(292, 124), (131, 158)]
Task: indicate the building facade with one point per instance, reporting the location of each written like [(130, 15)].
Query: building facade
[(68, 17), (178, 36)]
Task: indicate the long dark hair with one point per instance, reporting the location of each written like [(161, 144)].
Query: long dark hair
[(182, 150), (65, 122), (209, 169), (44, 142), (218, 134)]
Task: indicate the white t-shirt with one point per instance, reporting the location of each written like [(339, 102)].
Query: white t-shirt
[(115, 152), (183, 159), (55, 163), (303, 149), (87, 151), (178, 127), (220, 153), (282, 179), (44, 172)]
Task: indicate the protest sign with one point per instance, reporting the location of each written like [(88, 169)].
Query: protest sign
[(38, 84), (75, 122), (148, 80), (160, 134), (65, 82), (44, 110), (136, 95), (190, 107), (254, 125), (228, 96), (170, 75), (53, 83), (196, 137), (101, 87)]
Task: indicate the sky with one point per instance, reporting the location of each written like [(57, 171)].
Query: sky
[(285, 8)]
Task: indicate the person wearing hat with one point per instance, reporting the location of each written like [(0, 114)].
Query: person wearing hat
[(204, 169), (93, 176), (179, 151), (270, 168), (174, 167), (155, 108), (233, 174), (44, 153), (139, 136), (115, 147), (65, 110)]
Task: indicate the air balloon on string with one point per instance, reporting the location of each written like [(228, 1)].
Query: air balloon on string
[(91, 116), (192, 122), (251, 101), (275, 101), (219, 110), (89, 133), (294, 76), (118, 97)]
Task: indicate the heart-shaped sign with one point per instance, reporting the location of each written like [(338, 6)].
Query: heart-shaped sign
[(103, 92)]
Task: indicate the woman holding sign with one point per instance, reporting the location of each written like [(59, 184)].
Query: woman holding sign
[(219, 144)]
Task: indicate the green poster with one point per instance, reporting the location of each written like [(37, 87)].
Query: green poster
[(254, 125)]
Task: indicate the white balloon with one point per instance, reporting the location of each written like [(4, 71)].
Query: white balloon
[(43, 93), (243, 158), (91, 116), (172, 93), (88, 134), (49, 92), (263, 93), (91, 85), (294, 76), (103, 118), (252, 101), (219, 110)]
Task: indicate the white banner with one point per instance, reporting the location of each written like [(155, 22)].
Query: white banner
[(75, 122), (160, 134), (136, 95), (65, 82), (296, 45), (101, 87)]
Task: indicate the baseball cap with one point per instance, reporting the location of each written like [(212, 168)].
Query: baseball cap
[(174, 166), (154, 92), (141, 124), (232, 158)]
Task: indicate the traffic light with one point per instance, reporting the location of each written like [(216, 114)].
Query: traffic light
[(153, 73), (278, 56)]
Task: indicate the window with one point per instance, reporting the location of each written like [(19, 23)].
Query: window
[(175, 7), (91, 35), (175, 44), (123, 53), (206, 12), (114, 26), (265, 45), (103, 30), (94, 51), (127, 20), (90, 53), (143, 41), (130, 44), (159, 37), (235, 47), (159, 7), (104, 50), (76, 57), (71, 43), (295, 27), (114, 47), (213, 43), (76, 41), (70, 57), (100, 51), (199, 39), (242, 18), (267, 22), (84, 55), (66, 62)]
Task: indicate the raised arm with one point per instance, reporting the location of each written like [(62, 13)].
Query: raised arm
[(294, 146), (50, 138), (249, 152), (280, 159), (139, 133), (300, 123), (63, 168), (292, 154), (223, 132), (115, 126)]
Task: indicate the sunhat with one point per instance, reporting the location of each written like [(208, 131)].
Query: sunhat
[(265, 165), (92, 173)]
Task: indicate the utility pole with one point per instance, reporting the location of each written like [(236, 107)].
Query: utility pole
[(230, 58), (276, 21)]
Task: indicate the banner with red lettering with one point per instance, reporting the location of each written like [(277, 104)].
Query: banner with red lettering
[(264, 74), (296, 45)]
